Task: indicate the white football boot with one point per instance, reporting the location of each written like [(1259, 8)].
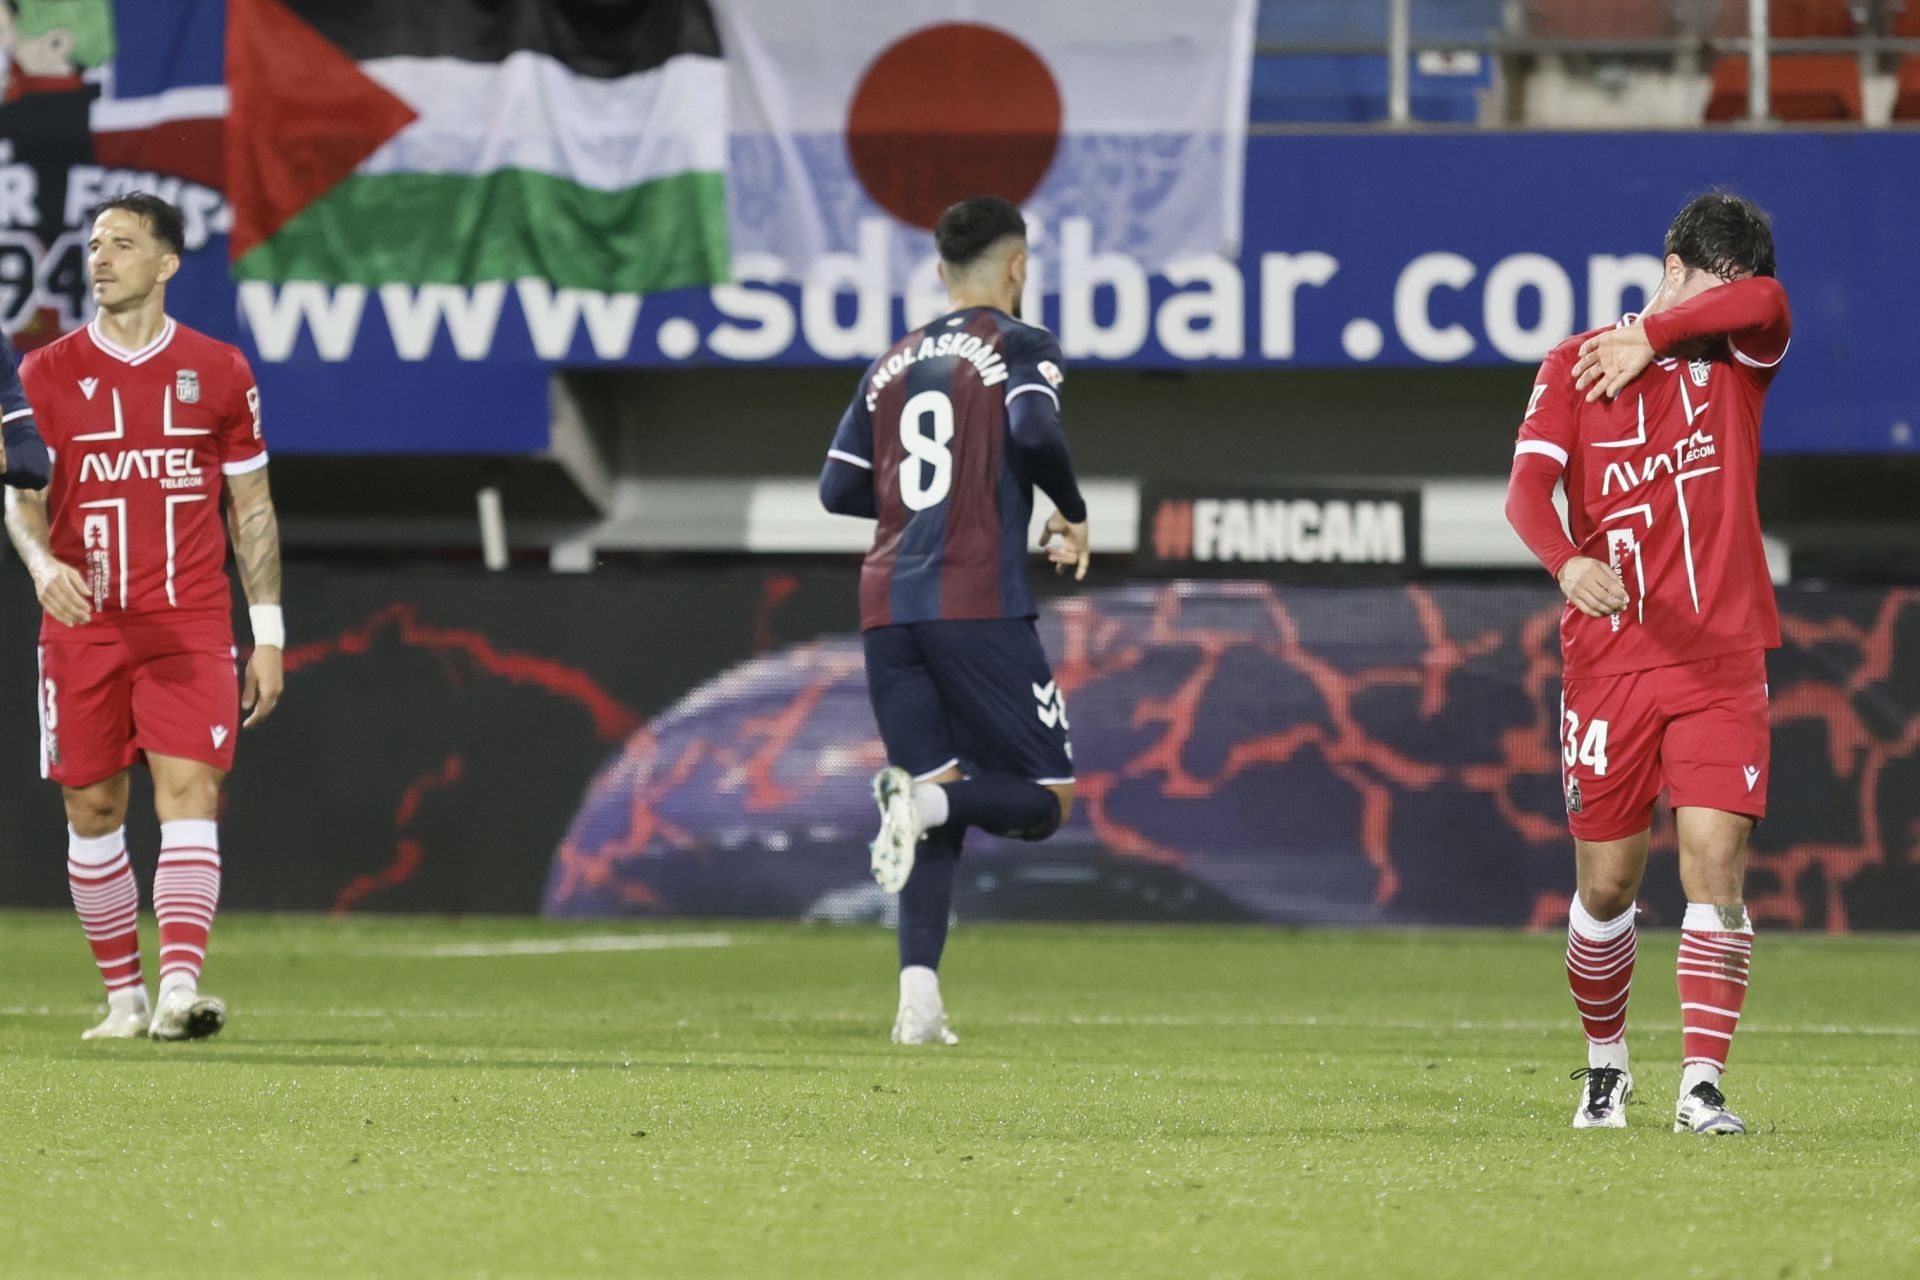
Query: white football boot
[(1605, 1104), (923, 1017), (125, 1020), (185, 1014), (1705, 1111), (894, 848)]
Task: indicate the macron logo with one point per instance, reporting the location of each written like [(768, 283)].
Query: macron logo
[(88, 386), (1753, 776), (220, 740)]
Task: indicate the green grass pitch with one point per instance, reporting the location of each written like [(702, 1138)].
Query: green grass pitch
[(1124, 1102)]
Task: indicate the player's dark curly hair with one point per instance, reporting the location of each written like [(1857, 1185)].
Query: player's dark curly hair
[(966, 229), (168, 227), (1725, 234)]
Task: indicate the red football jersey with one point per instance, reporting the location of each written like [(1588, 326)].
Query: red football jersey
[(141, 441), (1660, 484)]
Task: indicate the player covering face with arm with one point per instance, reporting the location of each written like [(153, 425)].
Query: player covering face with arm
[(1653, 425), (948, 434), (152, 428)]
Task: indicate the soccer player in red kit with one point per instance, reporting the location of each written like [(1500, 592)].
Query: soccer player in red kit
[(1654, 427), (150, 427)]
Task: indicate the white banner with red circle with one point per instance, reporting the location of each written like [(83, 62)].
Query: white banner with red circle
[(1130, 114)]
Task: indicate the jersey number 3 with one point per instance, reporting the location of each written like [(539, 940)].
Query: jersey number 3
[(926, 429)]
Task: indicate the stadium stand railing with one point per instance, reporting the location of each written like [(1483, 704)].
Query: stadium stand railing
[(1571, 63)]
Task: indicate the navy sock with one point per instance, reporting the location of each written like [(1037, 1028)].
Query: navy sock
[(1003, 807), (926, 903)]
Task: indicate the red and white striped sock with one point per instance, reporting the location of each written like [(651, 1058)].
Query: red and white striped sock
[(1715, 953), (1600, 956), (186, 889), (107, 896)]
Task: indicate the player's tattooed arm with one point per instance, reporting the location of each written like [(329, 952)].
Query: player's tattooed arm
[(256, 535), (62, 591), (256, 551)]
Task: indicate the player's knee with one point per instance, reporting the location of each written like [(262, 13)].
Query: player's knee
[(194, 795), (1054, 817), (1608, 897), (96, 811)]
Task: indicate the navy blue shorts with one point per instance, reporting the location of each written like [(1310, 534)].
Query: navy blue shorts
[(977, 693)]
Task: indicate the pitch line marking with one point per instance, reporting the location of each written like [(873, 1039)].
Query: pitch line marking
[(571, 946)]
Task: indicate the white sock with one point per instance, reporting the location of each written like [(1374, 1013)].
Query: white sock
[(919, 987), (1607, 1055), (1696, 1074), (1704, 917), (930, 800)]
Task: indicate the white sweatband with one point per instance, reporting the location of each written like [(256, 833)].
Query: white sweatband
[(269, 625)]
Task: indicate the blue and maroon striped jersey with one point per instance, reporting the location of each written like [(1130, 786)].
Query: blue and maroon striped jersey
[(952, 496)]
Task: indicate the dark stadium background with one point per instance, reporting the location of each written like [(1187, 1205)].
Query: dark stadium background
[(446, 722)]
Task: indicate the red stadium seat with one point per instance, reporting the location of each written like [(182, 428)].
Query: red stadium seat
[(1806, 87), (1584, 20), (1906, 95), (1790, 19)]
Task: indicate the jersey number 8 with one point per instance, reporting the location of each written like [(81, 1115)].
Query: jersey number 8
[(926, 476)]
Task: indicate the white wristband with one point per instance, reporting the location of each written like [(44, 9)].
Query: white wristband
[(269, 625)]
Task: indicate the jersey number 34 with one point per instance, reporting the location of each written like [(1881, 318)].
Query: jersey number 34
[(1588, 750)]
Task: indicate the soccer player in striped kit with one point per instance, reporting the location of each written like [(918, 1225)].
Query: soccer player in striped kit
[(23, 454), (948, 435), (1654, 425), (153, 429)]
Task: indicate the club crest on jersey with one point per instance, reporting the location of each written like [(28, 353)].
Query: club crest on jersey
[(186, 386), (1573, 794), (1701, 371)]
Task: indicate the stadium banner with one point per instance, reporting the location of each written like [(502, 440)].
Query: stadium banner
[(1246, 750), (1132, 117), (1304, 533), (104, 96), (459, 142)]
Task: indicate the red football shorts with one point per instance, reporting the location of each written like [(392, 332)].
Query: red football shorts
[(105, 703), (1698, 731)]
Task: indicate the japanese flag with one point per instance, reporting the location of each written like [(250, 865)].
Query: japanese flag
[(1130, 114)]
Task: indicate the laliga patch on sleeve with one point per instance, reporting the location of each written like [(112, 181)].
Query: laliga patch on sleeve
[(1051, 372)]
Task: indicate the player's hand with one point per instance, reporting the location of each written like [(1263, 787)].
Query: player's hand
[(1609, 361), (63, 593), (266, 681), (1592, 587), (1066, 544)]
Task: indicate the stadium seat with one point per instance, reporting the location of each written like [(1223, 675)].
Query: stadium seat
[(1335, 21), (1804, 87), (1906, 91), (1352, 89), (1583, 20), (1790, 19)]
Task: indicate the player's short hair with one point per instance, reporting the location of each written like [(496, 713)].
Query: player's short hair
[(168, 227), (966, 230), (1725, 234)]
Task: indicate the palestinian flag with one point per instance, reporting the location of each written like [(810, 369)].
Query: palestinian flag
[(461, 141)]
